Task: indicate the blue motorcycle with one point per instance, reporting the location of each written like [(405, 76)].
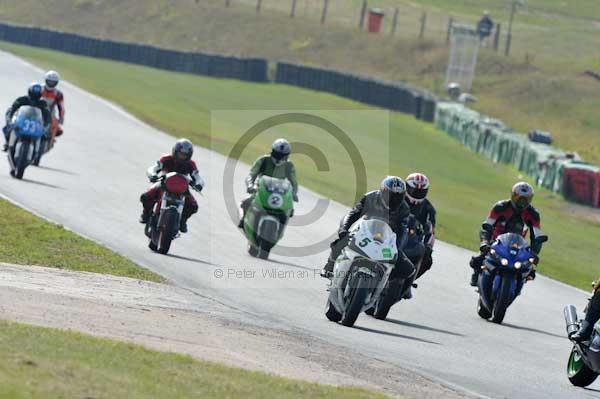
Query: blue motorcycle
[(25, 139), (506, 268)]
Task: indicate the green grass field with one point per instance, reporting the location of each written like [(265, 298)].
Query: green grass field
[(541, 85), (465, 185), (26, 239), (46, 363)]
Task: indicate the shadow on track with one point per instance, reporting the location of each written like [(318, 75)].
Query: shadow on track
[(391, 334), (422, 327), (535, 330), (592, 389), (194, 260), (293, 265), (66, 172), (39, 183)]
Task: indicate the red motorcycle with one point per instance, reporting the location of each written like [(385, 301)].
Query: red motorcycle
[(163, 226)]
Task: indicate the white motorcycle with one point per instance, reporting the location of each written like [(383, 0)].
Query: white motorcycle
[(362, 270)]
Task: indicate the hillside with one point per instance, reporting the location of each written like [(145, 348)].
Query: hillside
[(541, 85)]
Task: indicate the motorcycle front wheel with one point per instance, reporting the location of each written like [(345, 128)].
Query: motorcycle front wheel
[(503, 300), (167, 231), (578, 372), (360, 284)]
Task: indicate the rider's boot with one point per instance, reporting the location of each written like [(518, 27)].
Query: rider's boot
[(475, 263), (474, 278), (327, 271), (183, 225), (584, 333), (145, 216)]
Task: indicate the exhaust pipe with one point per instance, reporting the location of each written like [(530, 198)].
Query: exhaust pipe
[(571, 320)]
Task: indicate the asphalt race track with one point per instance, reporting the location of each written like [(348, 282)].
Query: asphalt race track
[(91, 183)]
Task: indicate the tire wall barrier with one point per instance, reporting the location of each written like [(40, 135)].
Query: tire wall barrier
[(383, 94), (551, 167), (221, 66)]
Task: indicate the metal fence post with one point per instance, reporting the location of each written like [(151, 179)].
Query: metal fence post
[(395, 21), (450, 23), (423, 22), (497, 38), (324, 14), (293, 11), (363, 12)]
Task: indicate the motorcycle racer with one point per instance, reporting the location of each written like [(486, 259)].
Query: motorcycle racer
[(179, 161)]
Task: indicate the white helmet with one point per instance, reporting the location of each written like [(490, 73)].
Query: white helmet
[(280, 150), (417, 186), (52, 79)]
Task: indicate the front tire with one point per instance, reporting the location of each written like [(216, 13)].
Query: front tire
[(360, 290), (503, 301), (264, 249), (21, 163), (578, 372), (167, 231)]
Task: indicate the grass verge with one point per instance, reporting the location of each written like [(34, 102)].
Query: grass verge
[(465, 185), (46, 363), (26, 239)]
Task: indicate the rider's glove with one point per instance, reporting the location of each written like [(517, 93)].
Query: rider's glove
[(61, 120), (198, 187), (295, 197), (153, 178), (342, 233), (484, 247), (250, 189)]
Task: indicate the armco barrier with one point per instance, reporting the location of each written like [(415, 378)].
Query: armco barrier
[(379, 93), (551, 167), (248, 69)]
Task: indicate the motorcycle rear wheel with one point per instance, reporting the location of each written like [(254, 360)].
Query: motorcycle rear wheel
[(578, 372), (360, 289)]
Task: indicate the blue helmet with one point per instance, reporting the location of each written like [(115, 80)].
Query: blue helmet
[(35, 91), (393, 191)]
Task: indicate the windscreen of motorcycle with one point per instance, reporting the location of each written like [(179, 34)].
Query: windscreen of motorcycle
[(274, 185), (512, 241), (375, 239)]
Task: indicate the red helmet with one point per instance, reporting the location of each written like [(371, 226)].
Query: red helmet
[(417, 186), (521, 195)]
